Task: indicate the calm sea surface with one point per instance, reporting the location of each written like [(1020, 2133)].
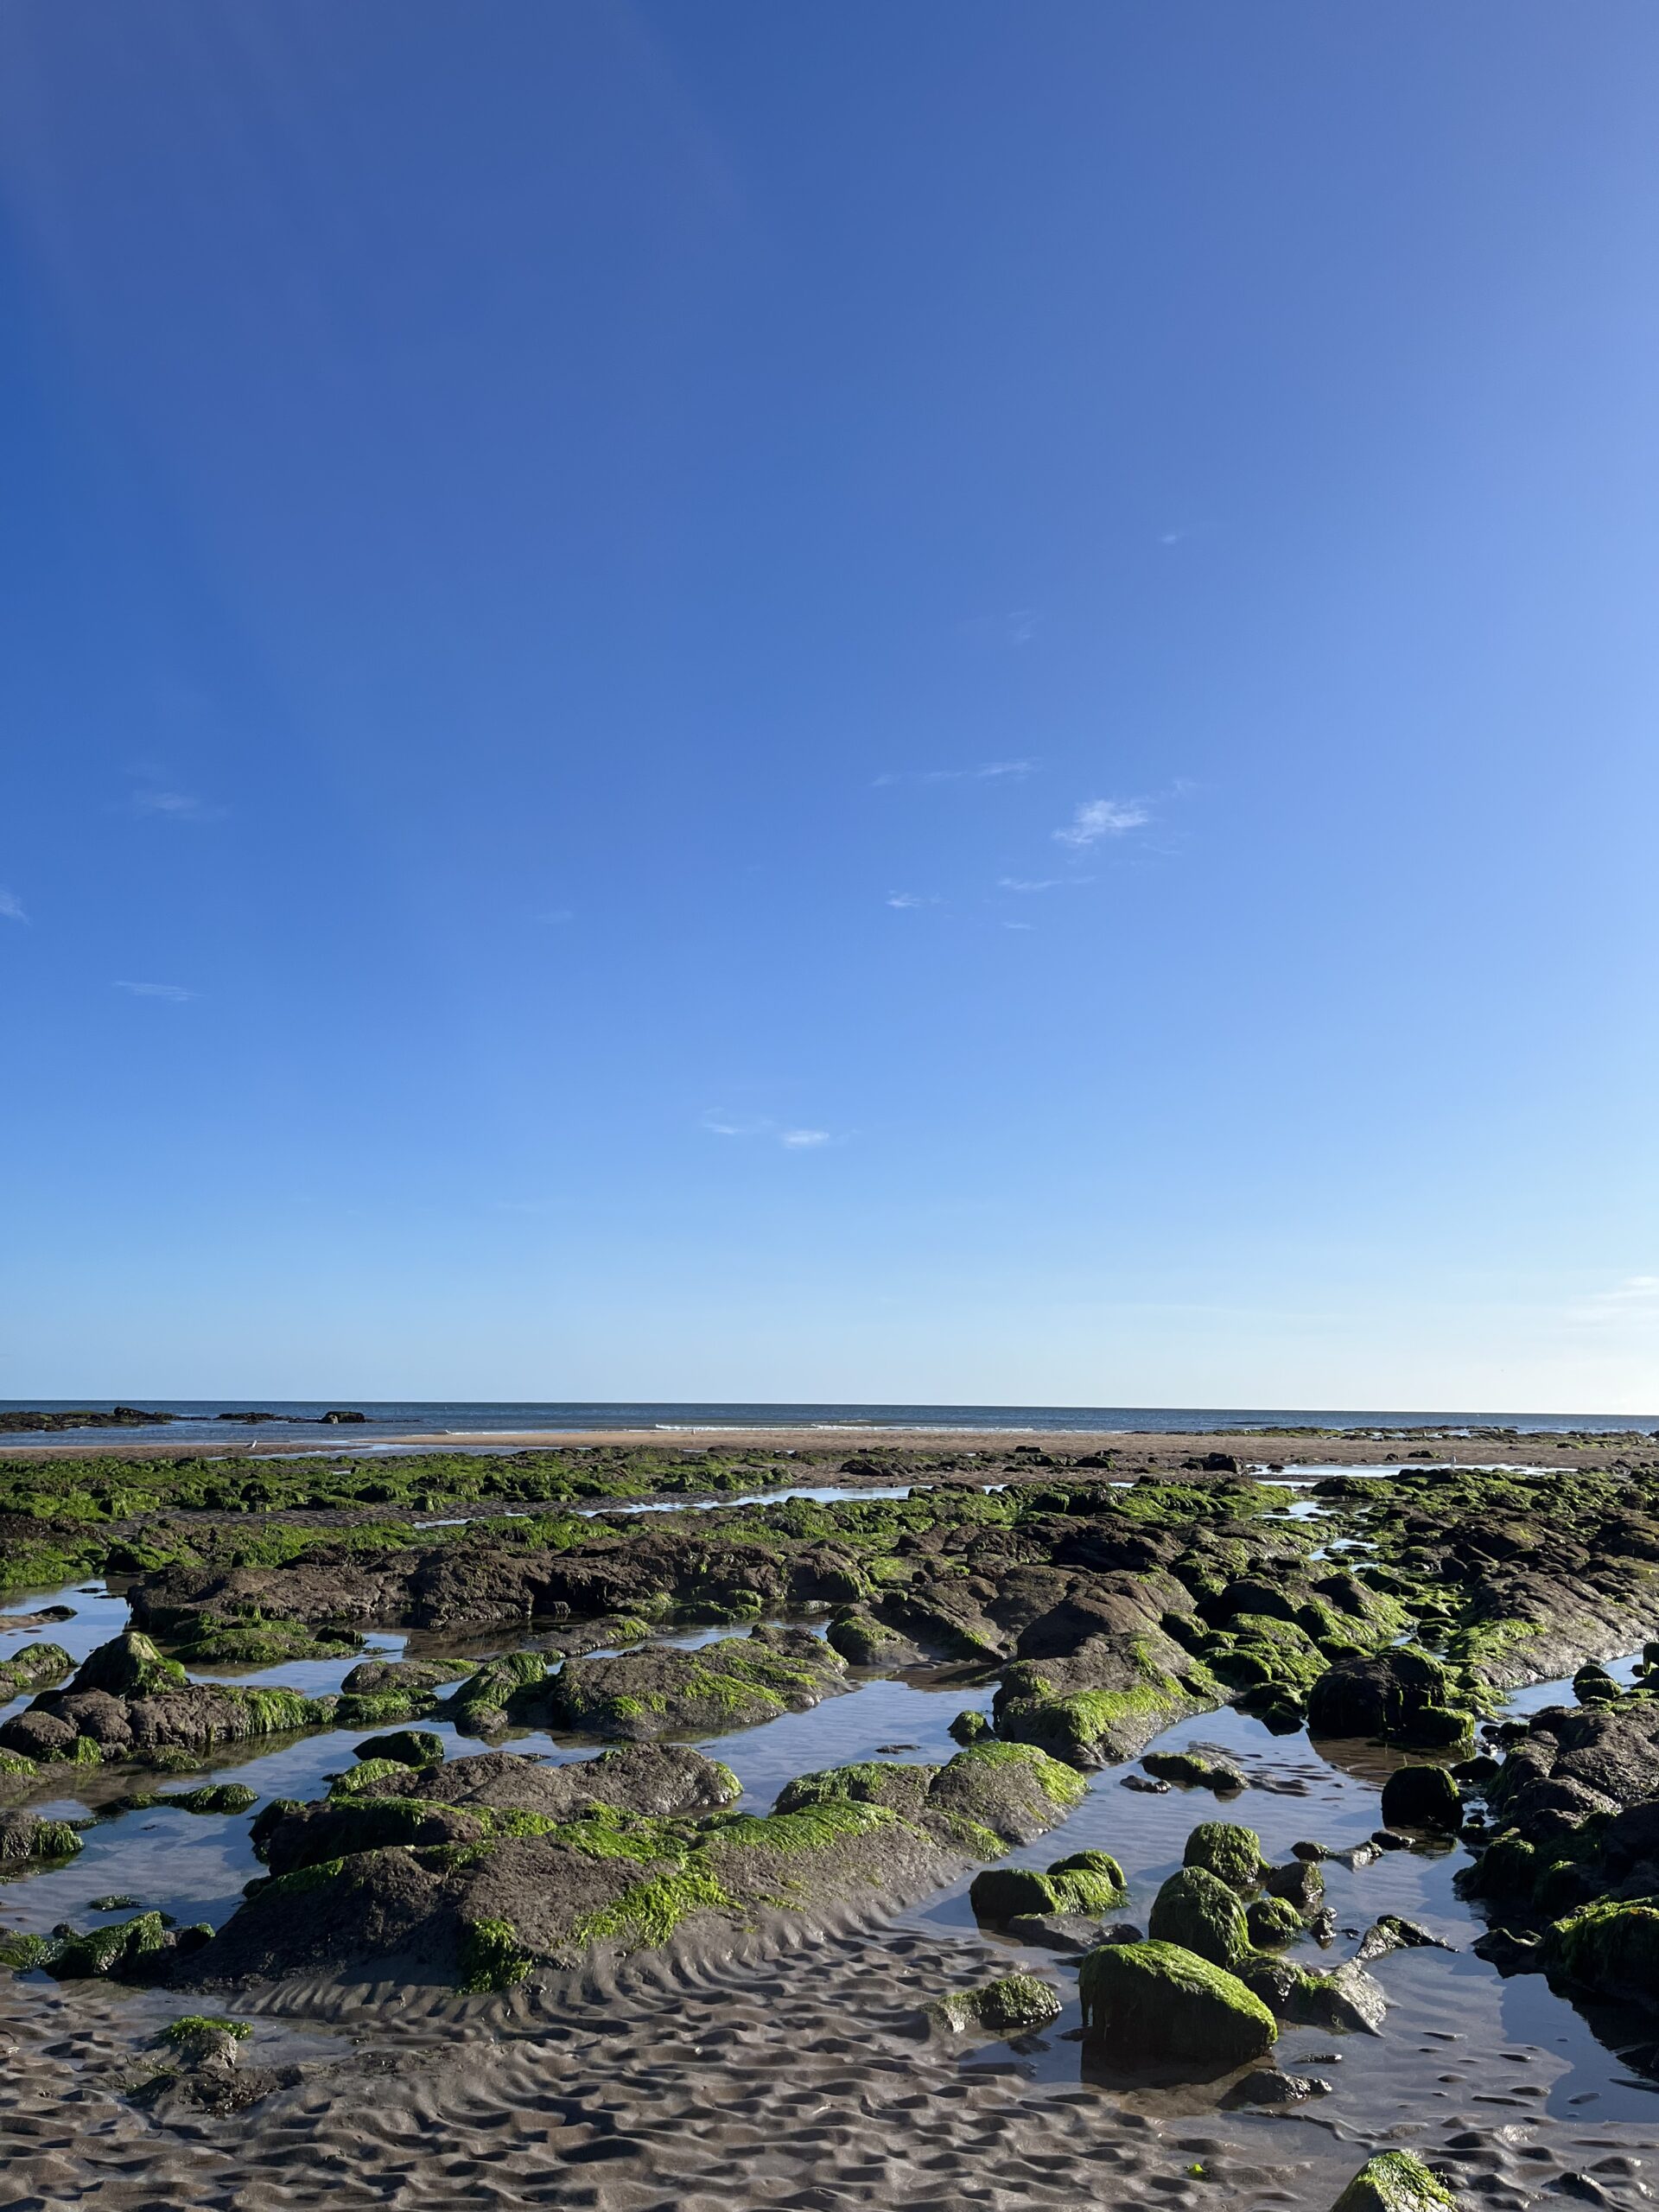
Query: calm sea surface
[(295, 1422)]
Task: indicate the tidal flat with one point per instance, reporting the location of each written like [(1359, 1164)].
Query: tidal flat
[(774, 1822)]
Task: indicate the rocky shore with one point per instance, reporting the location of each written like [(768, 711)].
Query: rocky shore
[(1379, 1621)]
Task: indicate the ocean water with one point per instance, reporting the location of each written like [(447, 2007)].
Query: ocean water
[(466, 1424)]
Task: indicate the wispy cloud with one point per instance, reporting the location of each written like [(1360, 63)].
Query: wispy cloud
[(154, 796), (985, 772), (174, 991), (1635, 1299), (905, 899), (555, 914), (1037, 883), (1018, 925), (720, 1123), (11, 908), (1102, 817)]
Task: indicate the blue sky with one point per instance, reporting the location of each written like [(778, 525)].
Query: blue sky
[(945, 702)]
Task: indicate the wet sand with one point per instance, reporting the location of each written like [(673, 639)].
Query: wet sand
[(790, 2071)]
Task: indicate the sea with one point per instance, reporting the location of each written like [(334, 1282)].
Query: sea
[(463, 1424)]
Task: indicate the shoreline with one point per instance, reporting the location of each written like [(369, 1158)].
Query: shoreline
[(1158, 1448)]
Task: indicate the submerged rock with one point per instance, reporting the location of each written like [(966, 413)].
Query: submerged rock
[(1610, 1949), (1155, 2004)]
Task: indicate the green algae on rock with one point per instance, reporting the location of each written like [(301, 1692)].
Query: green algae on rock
[(1015, 2004), (1394, 2181), (1228, 1851), (1155, 2005), (1197, 1910)]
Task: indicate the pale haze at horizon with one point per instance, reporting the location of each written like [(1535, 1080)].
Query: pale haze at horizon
[(951, 704)]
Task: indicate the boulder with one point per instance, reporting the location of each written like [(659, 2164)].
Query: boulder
[(1152, 2005), (1229, 1852), (1273, 1921), (1422, 1797), (1403, 1696), (1197, 1910)]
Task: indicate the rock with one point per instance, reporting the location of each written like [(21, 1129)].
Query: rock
[(1193, 1770), (736, 1683), (1347, 1999), (1402, 1696), (1267, 2086), (1422, 1797), (1060, 1931), (335, 1418), (528, 1892), (1197, 1910), (970, 1727), (404, 1747), (1300, 1884), (1145, 1784), (1104, 1701), (1225, 1849), (23, 1836), (1156, 2005), (1394, 2181), (1014, 2005), (129, 1665), (1611, 1947), (1389, 1932), (1273, 1921), (1090, 1884), (213, 1797), (986, 1797), (34, 1665)]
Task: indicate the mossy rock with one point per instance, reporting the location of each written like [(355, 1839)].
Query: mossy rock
[(970, 1728), (1228, 1851), (130, 1666), (196, 2029), (1272, 1922), (1422, 1797), (1014, 2005), (1300, 1884), (1197, 1910), (24, 1837), (1192, 1770), (415, 1747), (491, 1958), (1611, 1947), (107, 1952), (212, 1797), (1157, 2004), (1084, 1891), (1394, 2181)]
